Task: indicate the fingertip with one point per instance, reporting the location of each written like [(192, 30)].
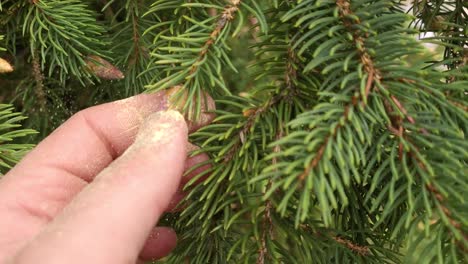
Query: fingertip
[(174, 204), (160, 243), (146, 176), (160, 127), (194, 163)]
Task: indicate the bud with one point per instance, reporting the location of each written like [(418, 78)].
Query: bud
[(5, 66), (177, 100), (248, 112), (102, 68), (437, 23)]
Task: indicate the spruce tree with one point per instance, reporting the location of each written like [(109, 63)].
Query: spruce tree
[(339, 137)]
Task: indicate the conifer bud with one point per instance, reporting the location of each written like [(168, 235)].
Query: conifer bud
[(5, 66), (178, 100), (437, 23), (102, 68)]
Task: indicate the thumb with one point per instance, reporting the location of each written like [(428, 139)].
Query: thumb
[(109, 221)]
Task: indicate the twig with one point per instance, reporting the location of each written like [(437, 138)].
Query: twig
[(267, 221), (290, 77), (226, 16), (39, 78), (136, 40), (373, 75), (360, 250), (397, 128), (252, 115)]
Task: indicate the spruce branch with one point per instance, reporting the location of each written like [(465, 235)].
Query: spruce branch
[(253, 115), (399, 130), (245, 127), (335, 140), (190, 74), (397, 127), (331, 150), (352, 23), (403, 132), (139, 45), (267, 219), (10, 150), (130, 43), (227, 15), (63, 44), (193, 52)]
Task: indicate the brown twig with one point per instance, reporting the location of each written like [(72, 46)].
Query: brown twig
[(226, 16), (441, 200), (360, 250), (397, 128), (39, 78), (135, 57), (290, 77), (291, 73), (373, 75), (400, 132), (267, 220), (252, 115)]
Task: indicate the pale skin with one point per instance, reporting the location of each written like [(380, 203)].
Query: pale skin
[(93, 191)]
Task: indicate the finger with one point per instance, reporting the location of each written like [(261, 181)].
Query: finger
[(194, 166), (160, 243), (92, 138), (110, 216), (61, 165)]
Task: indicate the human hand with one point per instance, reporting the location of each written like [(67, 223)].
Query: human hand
[(93, 190)]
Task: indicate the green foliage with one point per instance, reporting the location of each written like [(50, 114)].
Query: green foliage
[(191, 46), (129, 43), (334, 141), (10, 151), (60, 43)]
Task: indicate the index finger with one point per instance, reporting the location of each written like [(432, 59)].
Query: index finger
[(94, 137)]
